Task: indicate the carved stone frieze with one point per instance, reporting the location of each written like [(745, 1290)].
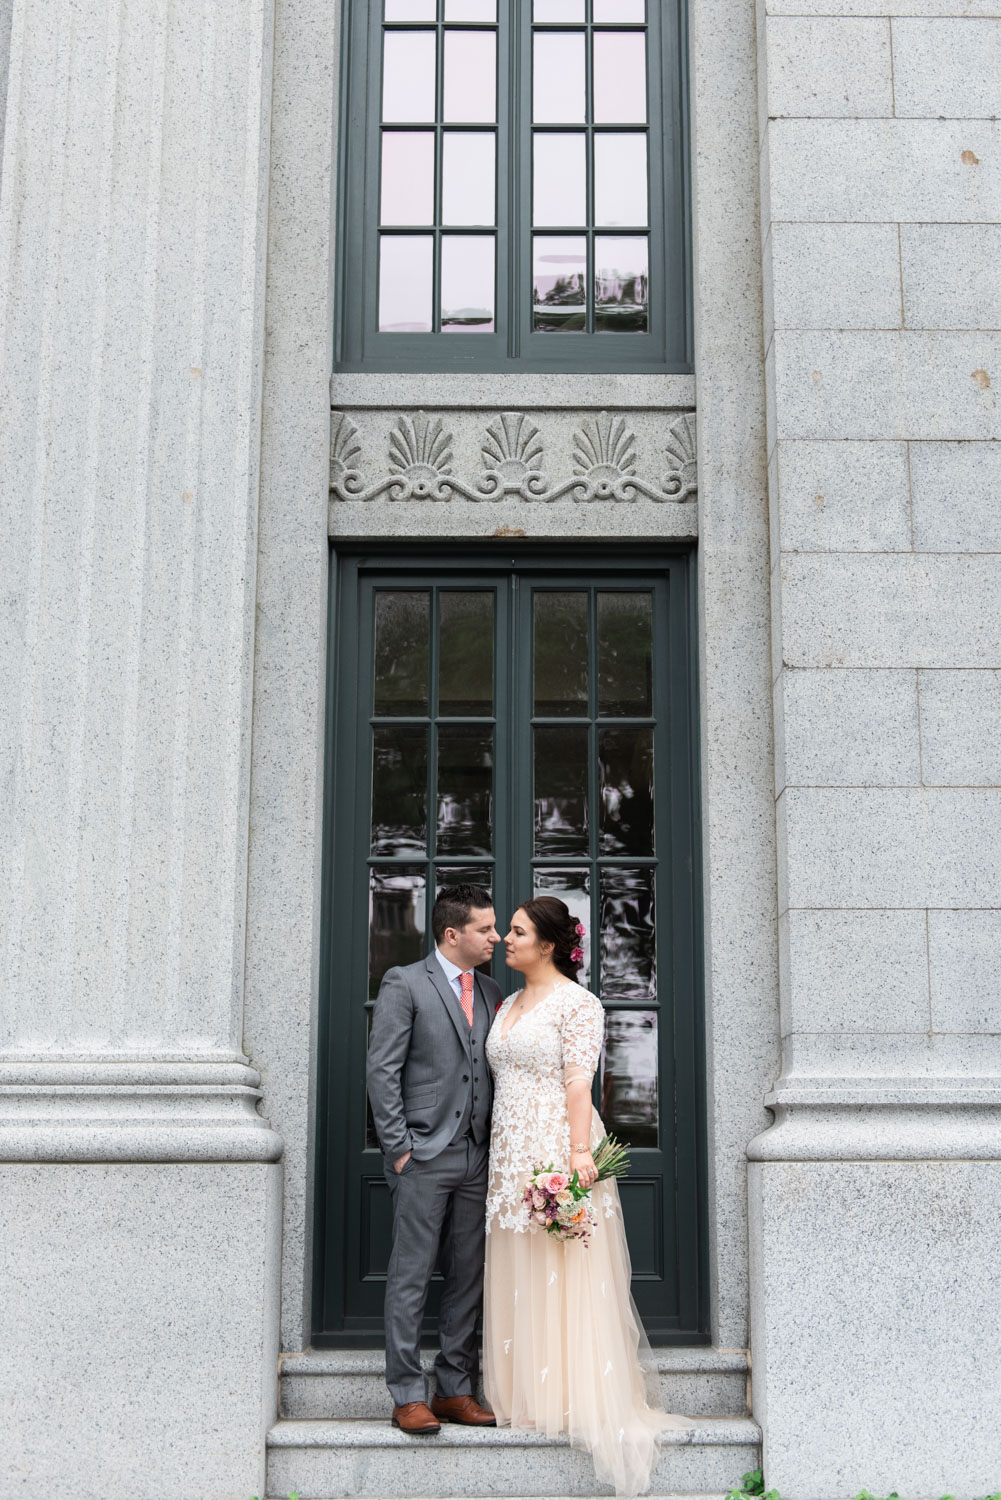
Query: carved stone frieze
[(419, 463)]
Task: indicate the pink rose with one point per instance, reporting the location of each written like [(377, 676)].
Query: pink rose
[(557, 1182)]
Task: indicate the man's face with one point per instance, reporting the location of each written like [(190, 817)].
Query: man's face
[(473, 944)]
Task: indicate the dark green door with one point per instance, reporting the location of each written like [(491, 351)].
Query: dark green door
[(527, 722)]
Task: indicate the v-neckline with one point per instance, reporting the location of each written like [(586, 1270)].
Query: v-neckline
[(505, 1032)]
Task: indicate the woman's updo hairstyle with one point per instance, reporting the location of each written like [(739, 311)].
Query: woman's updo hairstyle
[(554, 923)]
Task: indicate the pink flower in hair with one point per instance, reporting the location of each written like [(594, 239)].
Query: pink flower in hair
[(576, 955), (580, 930)]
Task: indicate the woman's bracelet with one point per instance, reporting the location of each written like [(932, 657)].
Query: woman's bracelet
[(580, 1146)]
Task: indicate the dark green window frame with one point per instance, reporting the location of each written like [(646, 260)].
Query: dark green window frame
[(665, 349)]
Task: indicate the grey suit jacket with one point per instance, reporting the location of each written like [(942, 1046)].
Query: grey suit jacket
[(416, 1054)]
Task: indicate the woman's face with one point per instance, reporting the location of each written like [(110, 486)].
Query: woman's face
[(521, 945)]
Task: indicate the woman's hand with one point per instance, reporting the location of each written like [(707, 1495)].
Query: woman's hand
[(582, 1162)]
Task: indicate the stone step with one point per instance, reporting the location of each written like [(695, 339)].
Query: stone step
[(322, 1459), (350, 1383)]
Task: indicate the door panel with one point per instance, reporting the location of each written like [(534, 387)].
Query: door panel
[(528, 725)]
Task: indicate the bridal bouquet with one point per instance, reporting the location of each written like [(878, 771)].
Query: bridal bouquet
[(556, 1202)]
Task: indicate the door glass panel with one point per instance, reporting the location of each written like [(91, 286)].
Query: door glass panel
[(558, 10), (395, 922), (619, 78), (628, 935), (625, 655), (406, 264), (559, 274), (407, 177), (402, 628), (468, 194), (559, 94), (560, 629), (411, 10), (621, 284), (561, 820), (465, 789), (467, 283), (408, 76), (466, 654), (629, 1078), (482, 875), (559, 178), (399, 788), (573, 887), (470, 10), (625, 762), (620, 178), (620, 10), (470, 76)]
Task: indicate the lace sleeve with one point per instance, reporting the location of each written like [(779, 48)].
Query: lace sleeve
[(582, 1029)]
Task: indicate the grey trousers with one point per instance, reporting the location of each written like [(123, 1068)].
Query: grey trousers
[(439, 1206)]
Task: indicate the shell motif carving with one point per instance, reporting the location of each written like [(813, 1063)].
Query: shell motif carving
[(604, 458)]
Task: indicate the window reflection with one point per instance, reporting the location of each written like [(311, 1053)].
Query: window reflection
[(559, 621), (625, 763), (399, 789), (625, 654), (402, 626), (629, 1078), (573, 887), (467, 283), (559, 272), (395, 922), (561, 811), (621, 284), (628, 935), (465, 789), (466, 653)]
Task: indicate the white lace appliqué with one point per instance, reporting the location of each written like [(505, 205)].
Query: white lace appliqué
[(558, 1040)]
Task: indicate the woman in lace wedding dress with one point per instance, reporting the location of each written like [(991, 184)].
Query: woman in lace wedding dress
[(563, 1346)]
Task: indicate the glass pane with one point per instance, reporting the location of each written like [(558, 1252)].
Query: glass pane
[(621, 285), (470, 76), (402, 627), (465, 789), (559, 179), (628, 935), (560, 654), (470, 10), (625, 654), (558, 93), (407, 177), (468, 169), (406, 264), (625, 763), (619, 78), (573, 887), (411, 10), (399, 788), (620, 10), (467, 283), (558, 10), (408, 75), (629, 1079), (620, 195), (466, 654), (395, 922), (482, 875), (561, 790), (559, 271)]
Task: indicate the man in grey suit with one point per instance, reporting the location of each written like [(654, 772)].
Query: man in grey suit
[(430, 1090)]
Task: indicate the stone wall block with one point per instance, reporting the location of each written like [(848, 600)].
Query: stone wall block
[(949, 273), (815, 268), (964, 951), (850, 728), (961, 728), (828, 66), (843, 496), (842, 8), (947, 67), (956, 489), (885, 171), (914, 610), (892, 848), (856, 384), (855, 971)]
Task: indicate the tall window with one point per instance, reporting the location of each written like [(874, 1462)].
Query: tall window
[(513, 186)]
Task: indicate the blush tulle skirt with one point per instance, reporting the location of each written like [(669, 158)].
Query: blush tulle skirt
[(564, 1349)]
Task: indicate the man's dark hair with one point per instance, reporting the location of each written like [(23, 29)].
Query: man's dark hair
[(453, 906)]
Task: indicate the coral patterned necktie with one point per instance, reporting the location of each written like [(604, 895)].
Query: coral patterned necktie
[(467, 996)]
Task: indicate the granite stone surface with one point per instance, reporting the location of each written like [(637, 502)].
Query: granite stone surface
[(142, 1303), (960, 728), (854, 971), (843, 497), (828, 66), (948, 274), (947, 67), (955, 488), (815, 280), (869, 1273), (848, 728), (947, 8), (964, 955)]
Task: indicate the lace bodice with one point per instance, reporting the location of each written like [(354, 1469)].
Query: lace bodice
[(558, 1040)]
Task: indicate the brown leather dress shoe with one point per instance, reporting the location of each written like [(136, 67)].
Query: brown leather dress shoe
[(462, 1409), (416, 1417)]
